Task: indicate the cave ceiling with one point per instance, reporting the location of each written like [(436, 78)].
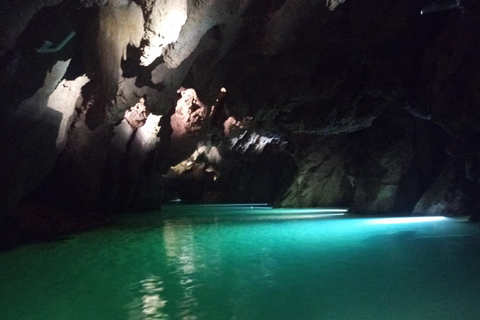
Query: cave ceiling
[(123, 105)]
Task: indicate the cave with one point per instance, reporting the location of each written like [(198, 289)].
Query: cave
[(118, 111)]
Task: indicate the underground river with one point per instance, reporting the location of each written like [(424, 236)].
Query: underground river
[(232, 262)]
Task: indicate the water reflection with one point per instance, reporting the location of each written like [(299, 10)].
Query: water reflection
[(176, 297), (182, 258), (149, 306), (213, 267), (204, 265), (216, 268)]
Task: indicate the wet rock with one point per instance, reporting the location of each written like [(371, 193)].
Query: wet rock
[(322, 179), (450, 195), (137, 115), (359, 104), (381, 169)]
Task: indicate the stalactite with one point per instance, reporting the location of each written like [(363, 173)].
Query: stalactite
[(117, 27)]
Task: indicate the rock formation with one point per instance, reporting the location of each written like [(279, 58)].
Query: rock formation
[(364, 104)]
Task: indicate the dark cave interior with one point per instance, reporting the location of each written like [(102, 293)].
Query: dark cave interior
[(369, 105)]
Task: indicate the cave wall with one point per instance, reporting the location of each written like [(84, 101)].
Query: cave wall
[(363, 104)]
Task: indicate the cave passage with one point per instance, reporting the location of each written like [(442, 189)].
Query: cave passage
[(254, 262)]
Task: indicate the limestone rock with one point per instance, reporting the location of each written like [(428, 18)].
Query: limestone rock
[(202, 16), (163, 26), (449, 195), (28, 142), (343, 112), (137, 115), (322, 179)]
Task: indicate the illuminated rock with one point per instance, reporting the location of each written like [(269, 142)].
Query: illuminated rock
[(232, 124), (166, 18), (332, 4), (136, 116), (63, 99), (190, 114), (304, 74), (202, 16), (119, 24)]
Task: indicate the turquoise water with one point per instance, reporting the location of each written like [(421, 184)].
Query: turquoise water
[(237, 263)]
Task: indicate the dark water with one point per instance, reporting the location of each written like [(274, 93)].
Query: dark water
[(232, 263)]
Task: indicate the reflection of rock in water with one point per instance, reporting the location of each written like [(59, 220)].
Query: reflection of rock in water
[(182, 257), (151, 303)]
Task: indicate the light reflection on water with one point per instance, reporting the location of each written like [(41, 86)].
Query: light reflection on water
[(150, 304), (213, 265)]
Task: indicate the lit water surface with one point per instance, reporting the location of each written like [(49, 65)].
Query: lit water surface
[(254, 263)]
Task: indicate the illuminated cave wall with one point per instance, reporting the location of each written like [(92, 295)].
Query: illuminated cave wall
[(117, 25), (371, 105)]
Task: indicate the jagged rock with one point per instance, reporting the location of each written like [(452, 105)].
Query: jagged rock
[(63, 99), (117, 25), (137, 115), (28, 142), (322, 179), (232, 125), (163, 26), (298, 69), (381, 169), (202, 16), (190, 114), (446, 196)]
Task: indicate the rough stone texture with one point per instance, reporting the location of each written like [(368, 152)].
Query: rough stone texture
[(166, 18), (116, 26), (247, 166), (202, 16), (323, 168), (445, 196), (64, 99), (137, 115), (123, 184), (190, 114), (381, 169), (76, 180), (374, 85), (28, 151)]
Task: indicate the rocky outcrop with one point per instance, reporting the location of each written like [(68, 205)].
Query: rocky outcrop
[(323, 105), (248, 165), (28, 143), (380, 169), (322, 166), (136, 117)]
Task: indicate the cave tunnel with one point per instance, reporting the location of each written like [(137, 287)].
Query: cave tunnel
[(239, 159)]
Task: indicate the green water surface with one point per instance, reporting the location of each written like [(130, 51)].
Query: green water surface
[(189, 262)]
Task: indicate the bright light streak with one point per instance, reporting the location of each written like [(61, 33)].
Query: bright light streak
[(294, 216), (239, 205), (312, 210), (259, 211), (405, 220)]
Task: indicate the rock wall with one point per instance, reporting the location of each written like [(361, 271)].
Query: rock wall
[(370, 106)]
